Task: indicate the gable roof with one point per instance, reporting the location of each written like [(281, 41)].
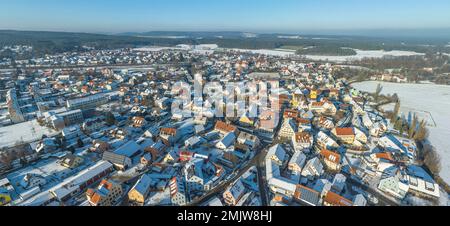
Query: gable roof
[(303, 137), (348, 131), (224, 127), (336, 200), (331, 156)]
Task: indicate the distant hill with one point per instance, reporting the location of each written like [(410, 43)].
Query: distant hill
[(193, 35), (54, 42)]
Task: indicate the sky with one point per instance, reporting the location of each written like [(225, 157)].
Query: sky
[(115, 16)]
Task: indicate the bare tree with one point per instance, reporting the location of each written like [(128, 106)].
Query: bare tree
[(433, 161), (396, 112), (378, 92), (412, 127), (422, 132)]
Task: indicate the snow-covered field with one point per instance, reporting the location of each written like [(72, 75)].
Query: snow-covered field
[(360, 54), (430, 100), (266, 52), (23, 132)]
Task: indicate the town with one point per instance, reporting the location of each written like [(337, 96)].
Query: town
[(98, 128)]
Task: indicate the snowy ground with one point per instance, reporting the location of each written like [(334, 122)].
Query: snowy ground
[(266, 52), (29, 131), (360, 54), (430, 101), (50, 169)]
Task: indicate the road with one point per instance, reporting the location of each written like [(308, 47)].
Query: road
[(262, 180)]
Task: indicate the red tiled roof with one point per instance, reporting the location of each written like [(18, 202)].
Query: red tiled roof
[(345, 131), (331, 156), (385, 155), (169, 131), (289, 113), (336, 200), (301, 120), (224, 127), (303, 137)]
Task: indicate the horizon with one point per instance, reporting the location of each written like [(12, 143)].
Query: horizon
[(266, 16)]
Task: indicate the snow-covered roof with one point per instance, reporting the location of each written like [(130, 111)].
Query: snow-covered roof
[(278, 151), (143, 184), (129, 149)]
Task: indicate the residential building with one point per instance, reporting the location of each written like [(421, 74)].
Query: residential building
[(234, 193), (106, 194), (346, 135), (140, 190), (331, 159)]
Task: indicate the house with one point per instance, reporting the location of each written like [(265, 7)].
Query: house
[(267, 123), (5, 196), (421, 183), (290, 113), (304, 124), (324, 122), (227, 141), (192, 141), (248, 139), (322, 186), (338, 184), (171, 156), (277, 154), (332, 160), (394, 185), (230, 159), (313, 168), (5, 191), (234, 193), (297, 162), (178, 194), (396, 145), (202, 174), (325, 142), (302, 140), (72, 161), (360, 136), (93, 125), (246, 120), (138, 122), (130, 149), (140, 190), (47, 145), (318, 107), (359, 200), (224, 128), (146, 159), (31, 180), (333, 199), (71, 132), (156, 149), (288, 129), (107, 193), (306, 196), (276, 182), (100, 146), (346, 135), (169, 135), (122, 162)]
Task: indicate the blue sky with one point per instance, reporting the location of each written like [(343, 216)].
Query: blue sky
[(222, 15)]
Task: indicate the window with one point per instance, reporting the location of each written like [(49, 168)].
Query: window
[(413, 181)]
